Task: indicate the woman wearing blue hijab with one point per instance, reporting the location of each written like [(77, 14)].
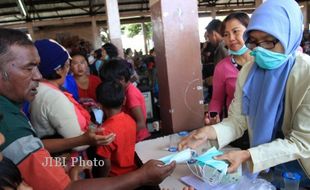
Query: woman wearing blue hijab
[(272, 98)]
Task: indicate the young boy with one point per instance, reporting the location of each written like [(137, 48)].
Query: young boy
[(119, 155), (117, 69)]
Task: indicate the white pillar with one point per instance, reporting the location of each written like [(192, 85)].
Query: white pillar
[(30, 31), (95, 33), (213, 13), (144, 37), (114, 25), (258, 2)]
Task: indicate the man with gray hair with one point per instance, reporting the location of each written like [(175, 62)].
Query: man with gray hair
[(19, 79)]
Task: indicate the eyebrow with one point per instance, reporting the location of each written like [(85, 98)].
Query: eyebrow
[(237, 27), (265, 37), (31, 64)]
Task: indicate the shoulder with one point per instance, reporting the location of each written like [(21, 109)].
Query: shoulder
[(299, 74), (302, 62), (131, 89), (224, 62), (301, 68), (47, 91), (94, 78)]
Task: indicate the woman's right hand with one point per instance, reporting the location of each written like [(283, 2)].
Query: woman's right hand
[(211, 120), (196, 138)]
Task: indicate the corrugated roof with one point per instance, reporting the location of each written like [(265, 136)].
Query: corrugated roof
[(39, 10)]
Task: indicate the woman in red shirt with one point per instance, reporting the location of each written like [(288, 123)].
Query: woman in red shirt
[(86, 83)]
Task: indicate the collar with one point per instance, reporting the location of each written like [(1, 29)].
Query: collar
[(9, 105)]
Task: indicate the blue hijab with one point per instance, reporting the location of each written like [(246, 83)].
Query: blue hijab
[(264, 90)]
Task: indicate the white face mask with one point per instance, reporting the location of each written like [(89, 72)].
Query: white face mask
[(91, 59)]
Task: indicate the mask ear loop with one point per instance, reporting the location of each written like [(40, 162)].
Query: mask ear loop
[(5, 76)]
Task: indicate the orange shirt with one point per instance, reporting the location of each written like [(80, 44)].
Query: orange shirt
[(121, 151)]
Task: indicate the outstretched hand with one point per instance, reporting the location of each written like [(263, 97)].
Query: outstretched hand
[(154, 172), (235, 158), (196, 138), (93, 139)]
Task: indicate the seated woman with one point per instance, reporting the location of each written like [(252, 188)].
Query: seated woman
[(55, 112), (272, 98)]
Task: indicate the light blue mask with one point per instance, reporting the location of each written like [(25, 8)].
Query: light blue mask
[(241, 51), (207, 159), (267, 59), (106, 57), (180, 157)]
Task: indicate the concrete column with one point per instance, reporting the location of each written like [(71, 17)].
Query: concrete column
[(96, 37), (307, 16), (213, 13), (176, 41), (114, 25), (144, 37), (30, 31), (258, 2)]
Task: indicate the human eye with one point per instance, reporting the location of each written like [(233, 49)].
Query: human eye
[(267, 44), (235, 31)]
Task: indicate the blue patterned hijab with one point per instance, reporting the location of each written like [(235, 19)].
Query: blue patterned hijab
[(264, 90)]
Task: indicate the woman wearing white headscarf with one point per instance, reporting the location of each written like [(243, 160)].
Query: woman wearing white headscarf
[(272, 99)]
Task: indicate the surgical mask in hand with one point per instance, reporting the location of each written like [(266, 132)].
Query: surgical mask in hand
[(180, 157), (267, 59), (209, 169)]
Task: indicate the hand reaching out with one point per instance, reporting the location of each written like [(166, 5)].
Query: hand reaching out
[(197, 137), (235, 158), (93, 138), (154, 172)]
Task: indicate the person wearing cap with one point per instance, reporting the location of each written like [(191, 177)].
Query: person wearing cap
[(54, 112), (272, 97), (19, 79)]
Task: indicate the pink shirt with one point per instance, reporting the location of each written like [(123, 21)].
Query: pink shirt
[(135, 98), (224, 83)]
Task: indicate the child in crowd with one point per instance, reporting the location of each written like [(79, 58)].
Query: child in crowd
[(119, 155), (10, 176), (117, 69)]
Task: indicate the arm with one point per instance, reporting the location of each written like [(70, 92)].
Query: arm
[(88, 138), (62, 116), (218, 95), (105, 170), (136, 113), (296, 119), (197, 137), (151, 173), (235, 124)]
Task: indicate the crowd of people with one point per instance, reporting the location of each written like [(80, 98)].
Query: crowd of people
[(77, 105)]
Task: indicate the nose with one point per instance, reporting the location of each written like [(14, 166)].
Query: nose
[(36, 75), (231, 37)]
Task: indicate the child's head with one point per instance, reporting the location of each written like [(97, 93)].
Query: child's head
[(10, 176), (115, 69), (110, 94)]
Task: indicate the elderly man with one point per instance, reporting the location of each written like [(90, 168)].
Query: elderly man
[(19, 79)]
